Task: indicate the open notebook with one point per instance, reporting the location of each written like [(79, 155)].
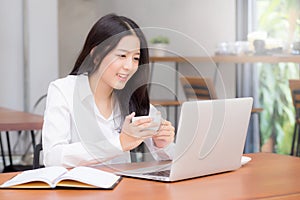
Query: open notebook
[(210, 139), (56, 176)]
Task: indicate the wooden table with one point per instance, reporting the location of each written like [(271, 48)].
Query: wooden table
[(11, 120), (266, 176)]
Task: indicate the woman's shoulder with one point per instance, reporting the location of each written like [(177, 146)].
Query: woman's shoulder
[(62, 89), (68, 80), (63, 85)]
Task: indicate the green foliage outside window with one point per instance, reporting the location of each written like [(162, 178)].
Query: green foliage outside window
[(280, 19)]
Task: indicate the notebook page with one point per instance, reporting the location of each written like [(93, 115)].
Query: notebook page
[(90, 176), (47, 175)]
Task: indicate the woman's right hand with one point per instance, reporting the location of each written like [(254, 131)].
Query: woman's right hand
[(134, 133)]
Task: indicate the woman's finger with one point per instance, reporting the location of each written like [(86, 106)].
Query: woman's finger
[(129, 117)]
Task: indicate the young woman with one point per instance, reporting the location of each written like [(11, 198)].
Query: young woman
[(88, 117)]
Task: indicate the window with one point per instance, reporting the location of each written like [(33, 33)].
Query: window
[(280, 20)]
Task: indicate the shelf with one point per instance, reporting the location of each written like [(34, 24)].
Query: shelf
[(165, 102), (230, 59), (178, 103)]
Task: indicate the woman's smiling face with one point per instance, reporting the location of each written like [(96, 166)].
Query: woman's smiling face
[(118, 66)]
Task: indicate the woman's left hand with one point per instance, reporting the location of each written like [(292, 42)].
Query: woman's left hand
[(165, 134)]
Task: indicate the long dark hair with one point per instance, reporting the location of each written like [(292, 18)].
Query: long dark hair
[(103, 38)]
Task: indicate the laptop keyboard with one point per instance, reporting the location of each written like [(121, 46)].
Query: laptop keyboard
[(164, 173)]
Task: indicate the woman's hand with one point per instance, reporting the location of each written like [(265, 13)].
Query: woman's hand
[(128, 142), (165, 134), (133, 134)]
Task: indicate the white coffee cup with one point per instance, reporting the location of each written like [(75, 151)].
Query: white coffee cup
[(156, 121)]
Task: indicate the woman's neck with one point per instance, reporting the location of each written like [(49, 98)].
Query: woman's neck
[(102, 95)]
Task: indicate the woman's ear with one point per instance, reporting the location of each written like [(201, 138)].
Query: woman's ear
[(96, 58)]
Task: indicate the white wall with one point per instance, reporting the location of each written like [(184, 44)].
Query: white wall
[(11, 54), (41, 47), (208, 22), (75, 18), (28, 51)]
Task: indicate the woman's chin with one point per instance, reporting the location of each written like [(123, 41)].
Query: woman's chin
[(119, 86)]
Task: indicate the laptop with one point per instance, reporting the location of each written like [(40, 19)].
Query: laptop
[(210, 139)]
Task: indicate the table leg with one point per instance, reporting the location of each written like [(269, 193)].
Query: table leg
[(151, 76), (33, 139), (176, 94), (2, 151), (176, 118), (168, 112), (297, 146), (9, 148), (176, 80), (216, 73)]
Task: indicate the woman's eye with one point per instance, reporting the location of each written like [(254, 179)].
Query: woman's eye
[(122, 55), (136, 58)]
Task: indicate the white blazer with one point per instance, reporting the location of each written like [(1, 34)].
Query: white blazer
[(75, 133)]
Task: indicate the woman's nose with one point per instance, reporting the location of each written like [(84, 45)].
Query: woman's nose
[(128, 64)]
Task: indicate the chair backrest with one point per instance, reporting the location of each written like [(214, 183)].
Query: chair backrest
[(36, 156), (295, 92), (198, 88), (39, 107)]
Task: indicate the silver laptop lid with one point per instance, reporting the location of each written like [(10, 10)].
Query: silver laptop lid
[(211, 137)]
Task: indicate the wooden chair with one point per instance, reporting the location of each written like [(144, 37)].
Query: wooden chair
[(295, 92), (197, 88)]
